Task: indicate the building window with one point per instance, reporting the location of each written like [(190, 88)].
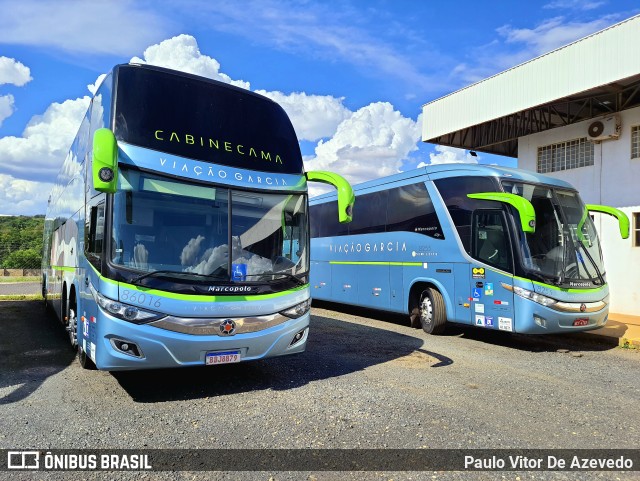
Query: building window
[(636, 229), (635, 142), (565, 155)]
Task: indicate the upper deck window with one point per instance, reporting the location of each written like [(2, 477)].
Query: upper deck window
[(202, 119)]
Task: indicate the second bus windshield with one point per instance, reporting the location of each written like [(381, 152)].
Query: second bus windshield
[(565, 245), (162, 224)]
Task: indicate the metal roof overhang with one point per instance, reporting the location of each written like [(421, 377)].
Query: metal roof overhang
[(594, 76)]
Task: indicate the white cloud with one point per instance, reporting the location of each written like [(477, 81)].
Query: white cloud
[(6, 107), (552, 33), (23, 197), (371, 143), (13, 72), (40, 152), (517, 45), (95, 27), (313, 116), (319, 30), (449, 155), (182, 53), (93, 88), (574, 4)]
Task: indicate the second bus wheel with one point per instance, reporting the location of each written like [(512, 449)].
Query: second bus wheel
[(85, 360), (433, 314)]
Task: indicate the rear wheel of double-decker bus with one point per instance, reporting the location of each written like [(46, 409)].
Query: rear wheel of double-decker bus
[(433, 313), (85, 360), (72, 321)]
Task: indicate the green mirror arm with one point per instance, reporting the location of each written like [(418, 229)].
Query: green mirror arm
[(623, 220), (105, 161), (522, 205), (346, 197)]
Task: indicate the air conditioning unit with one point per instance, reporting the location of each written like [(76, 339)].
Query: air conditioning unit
[(606, 128)]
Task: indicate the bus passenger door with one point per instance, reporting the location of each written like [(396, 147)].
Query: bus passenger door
[(491, 303)]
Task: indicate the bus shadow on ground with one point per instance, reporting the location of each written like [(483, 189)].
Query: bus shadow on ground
[(33, 347), (334, 349), (579, 341)]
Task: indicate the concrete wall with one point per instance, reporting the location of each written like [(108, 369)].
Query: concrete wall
[(613, 180)]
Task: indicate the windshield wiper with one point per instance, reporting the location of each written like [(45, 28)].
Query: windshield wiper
[(295, 279), (599, 279), (137, 279)]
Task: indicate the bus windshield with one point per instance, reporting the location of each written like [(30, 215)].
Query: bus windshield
[(181, 229), (565, 248)]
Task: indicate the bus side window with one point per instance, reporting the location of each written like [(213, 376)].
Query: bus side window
[(94, 241), (490, 241)]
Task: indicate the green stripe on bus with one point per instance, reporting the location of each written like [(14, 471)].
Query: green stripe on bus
[(369, 263), (205, 298), (549, 286), (64, 268), (192, 297)]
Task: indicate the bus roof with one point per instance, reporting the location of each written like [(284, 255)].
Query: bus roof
[(458, 169)]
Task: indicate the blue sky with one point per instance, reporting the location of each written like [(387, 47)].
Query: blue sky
[(353, 75)]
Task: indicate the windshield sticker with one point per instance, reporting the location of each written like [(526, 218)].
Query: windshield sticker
[(480, 308), (480, 321), (488, 289), (505, 324), (488, 321), (477, 294)]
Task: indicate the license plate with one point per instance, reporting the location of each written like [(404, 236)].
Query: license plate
[(221, 357), (581, 322)]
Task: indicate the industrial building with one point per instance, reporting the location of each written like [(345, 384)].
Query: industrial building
[(573, 113)]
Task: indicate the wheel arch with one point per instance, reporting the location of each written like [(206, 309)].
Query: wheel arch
[(417, 288)]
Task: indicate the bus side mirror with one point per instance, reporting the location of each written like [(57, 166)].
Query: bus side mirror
[(623, 220), (105, 161), (346, 197), (522, 205)]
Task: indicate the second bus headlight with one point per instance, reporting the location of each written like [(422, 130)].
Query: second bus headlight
[(527, 294), (298, 310)]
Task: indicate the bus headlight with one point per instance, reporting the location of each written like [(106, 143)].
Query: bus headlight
[(125, 311), (298, 310), (533, 296)]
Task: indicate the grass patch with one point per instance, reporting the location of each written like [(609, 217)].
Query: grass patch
[(5, 279), (22, 297)]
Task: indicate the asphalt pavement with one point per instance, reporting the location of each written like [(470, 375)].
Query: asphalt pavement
[(366, 381)]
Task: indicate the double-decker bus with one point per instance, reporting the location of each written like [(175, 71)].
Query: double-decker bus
[(496, 248), (177, 230)]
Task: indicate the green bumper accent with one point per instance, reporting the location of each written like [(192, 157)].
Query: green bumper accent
[(346, 197), (524, 207), (623, 220)]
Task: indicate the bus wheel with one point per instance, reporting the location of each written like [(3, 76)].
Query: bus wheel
[(85, 361), (72, 327), (433, 314)]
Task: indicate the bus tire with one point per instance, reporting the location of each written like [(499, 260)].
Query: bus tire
[(72, 323), (433, 313), (85, 361)]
